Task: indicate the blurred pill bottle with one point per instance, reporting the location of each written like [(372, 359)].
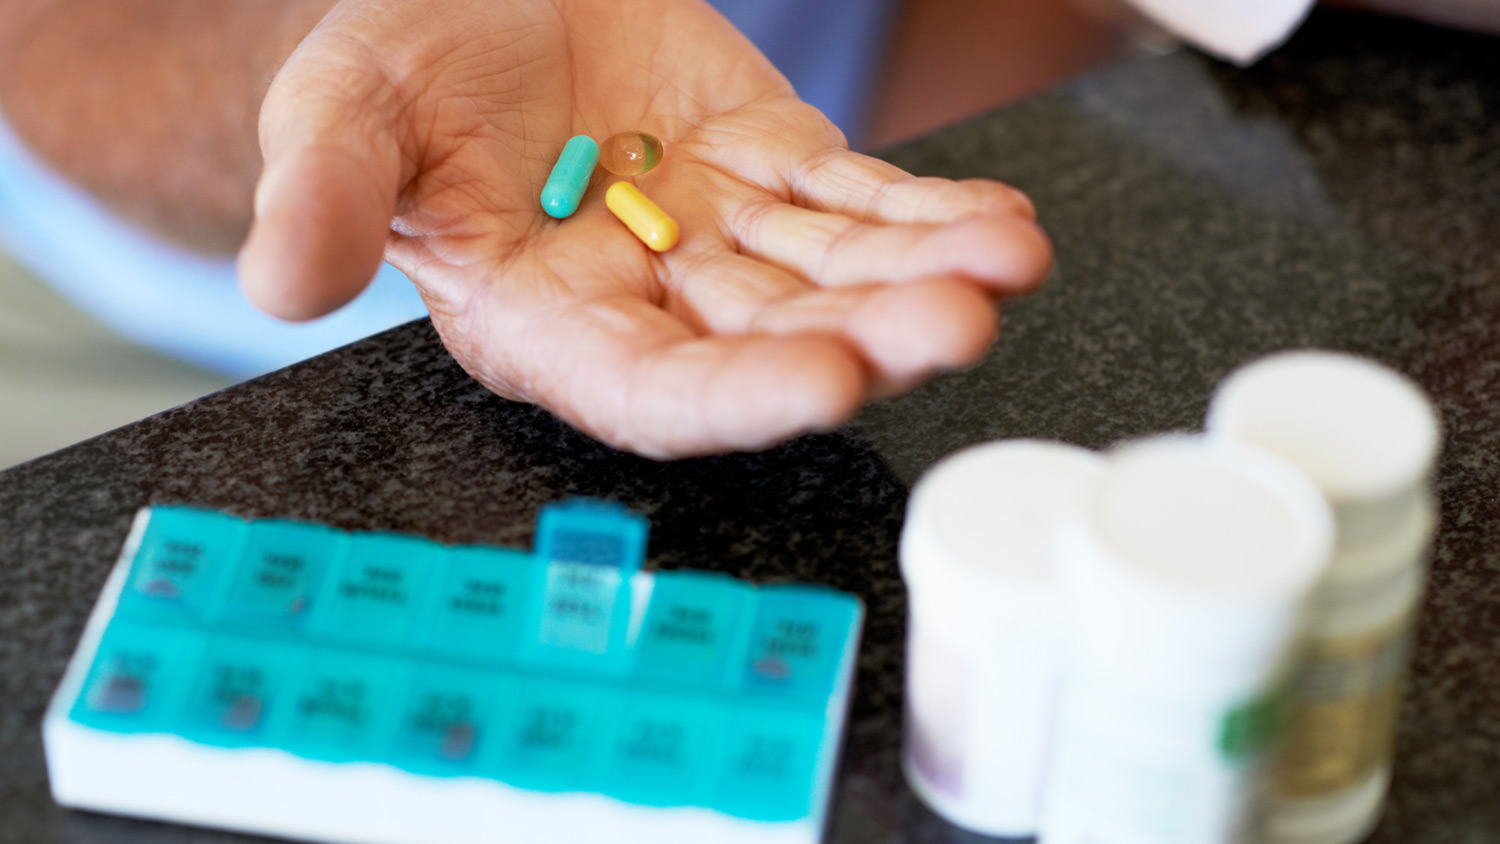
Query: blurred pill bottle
[(1367, 437), (984, 629), (1185, 574)]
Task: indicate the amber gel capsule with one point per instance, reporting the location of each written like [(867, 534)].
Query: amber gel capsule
[(570, 176), (630, 153), (642, 216)]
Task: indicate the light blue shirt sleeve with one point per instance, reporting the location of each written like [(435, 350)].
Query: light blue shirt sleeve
[(177, 302)]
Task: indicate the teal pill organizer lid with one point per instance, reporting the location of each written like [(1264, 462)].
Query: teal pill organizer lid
[(797, 642), (139, 677), (550, 737), (183, 556), (343, 707), (374, 594), (240, 687), (587, 530), (579, 620), (659, 748), (579, 616), (476, 610), (768, 763), (449, 718), (275, 586), (694, 625)]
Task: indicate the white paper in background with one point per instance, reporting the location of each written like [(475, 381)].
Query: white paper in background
[(1238, 30)]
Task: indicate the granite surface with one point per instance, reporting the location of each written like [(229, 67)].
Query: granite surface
[(1344, 193)]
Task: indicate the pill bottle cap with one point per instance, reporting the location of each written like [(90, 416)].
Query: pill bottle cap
[(1192, 553), (1365, 434), (979, 530)]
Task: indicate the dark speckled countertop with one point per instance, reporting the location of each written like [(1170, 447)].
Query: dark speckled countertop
[(1343, 193)]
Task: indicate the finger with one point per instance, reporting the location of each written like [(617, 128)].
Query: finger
[(871, 190), (635, 377), (722, 292), (905, 333), (327, 193), (1005, 253)]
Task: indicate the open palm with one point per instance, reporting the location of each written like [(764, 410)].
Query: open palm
[(808, 278)]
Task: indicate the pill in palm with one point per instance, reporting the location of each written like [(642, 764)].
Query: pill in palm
[(642, 216), (570, 176), (630, 153)]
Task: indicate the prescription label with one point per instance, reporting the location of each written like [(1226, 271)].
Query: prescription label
[(1343, 718)]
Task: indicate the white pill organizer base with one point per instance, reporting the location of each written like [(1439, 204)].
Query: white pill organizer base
[(273, 792), (160, 775)]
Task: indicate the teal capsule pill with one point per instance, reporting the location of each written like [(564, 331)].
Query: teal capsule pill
[(570, 176)]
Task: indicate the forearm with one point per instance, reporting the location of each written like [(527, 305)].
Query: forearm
[(151, 105)]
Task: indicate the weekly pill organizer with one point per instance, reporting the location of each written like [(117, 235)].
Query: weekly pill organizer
[(291, 679)]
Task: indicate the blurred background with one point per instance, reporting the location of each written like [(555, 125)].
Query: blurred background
[(65, 376)]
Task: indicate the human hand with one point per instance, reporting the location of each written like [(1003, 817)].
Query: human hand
[(808, 278)]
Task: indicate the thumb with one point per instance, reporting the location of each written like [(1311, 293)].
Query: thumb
[(327, 191)]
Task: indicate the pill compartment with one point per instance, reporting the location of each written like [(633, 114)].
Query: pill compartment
[(450, 719), (279, 574), (239, 686), (183, 557), (342, 706), (796, 641), (660, 747), (693, 628), (767, 763), (579, 614), (374, 594), (139, 677), (549, 739), (582, 613), (475, 612)]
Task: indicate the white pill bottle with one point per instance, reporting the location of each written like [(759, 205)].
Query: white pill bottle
[(985, 629), (1368, 437), (1185, 572)]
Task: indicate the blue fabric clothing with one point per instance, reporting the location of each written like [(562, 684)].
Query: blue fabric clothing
[(190, 306), (183, 304), (830, 49)]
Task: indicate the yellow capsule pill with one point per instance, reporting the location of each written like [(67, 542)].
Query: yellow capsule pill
[(642, 216)]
